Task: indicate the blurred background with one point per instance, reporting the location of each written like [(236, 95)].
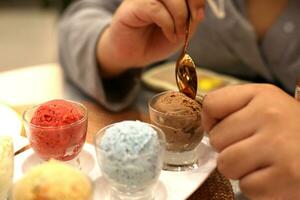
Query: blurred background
[(28, 32)]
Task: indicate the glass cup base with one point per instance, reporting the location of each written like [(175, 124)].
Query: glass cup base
[(180, 168), (146, 194), (181, 161)]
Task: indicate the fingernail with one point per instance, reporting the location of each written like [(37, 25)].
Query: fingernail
[(174, 38), (200, 14), (194, 15), (181, 33)]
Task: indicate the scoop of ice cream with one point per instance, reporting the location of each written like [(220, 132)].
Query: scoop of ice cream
[(180, 118), (53, 181), (131, 154), (6, 165), (50, 136), (56, 113), (177, 103)]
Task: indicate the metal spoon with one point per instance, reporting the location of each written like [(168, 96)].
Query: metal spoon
[(185, 72)]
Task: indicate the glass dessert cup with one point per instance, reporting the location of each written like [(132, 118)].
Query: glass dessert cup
[(183, 135), (6, 166), (131, 178), (63, 142)]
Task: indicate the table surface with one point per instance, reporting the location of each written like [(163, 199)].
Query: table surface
[(32, 85)]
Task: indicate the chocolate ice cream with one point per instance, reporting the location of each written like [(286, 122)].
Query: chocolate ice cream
[(180, 118)]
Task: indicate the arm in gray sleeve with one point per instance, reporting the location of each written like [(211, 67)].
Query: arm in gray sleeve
[(79, 31)]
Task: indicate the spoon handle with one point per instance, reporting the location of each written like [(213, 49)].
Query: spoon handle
[(187, 33)]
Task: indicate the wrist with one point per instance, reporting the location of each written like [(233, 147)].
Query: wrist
[(110, 63)]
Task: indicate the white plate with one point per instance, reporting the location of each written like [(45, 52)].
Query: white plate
[(171, 185)]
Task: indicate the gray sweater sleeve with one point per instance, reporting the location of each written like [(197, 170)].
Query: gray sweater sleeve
[(79, 30)]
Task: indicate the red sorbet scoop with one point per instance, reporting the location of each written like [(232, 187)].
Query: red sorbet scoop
[(56, 113)]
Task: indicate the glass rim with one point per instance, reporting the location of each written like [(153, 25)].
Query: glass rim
[(150, 106), (157, 129), (84, 118)]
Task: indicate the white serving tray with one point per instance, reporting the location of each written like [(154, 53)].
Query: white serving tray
[(171, 185)]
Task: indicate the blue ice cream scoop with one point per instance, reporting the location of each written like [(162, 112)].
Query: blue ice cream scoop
[(131, 154)]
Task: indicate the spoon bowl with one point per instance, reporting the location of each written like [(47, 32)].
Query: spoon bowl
[(186, 76)]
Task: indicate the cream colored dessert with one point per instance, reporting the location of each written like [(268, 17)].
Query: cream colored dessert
[(6, 165), (53, 180)]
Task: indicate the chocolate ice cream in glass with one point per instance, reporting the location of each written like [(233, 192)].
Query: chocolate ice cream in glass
[(180, 119), (56, 129)]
